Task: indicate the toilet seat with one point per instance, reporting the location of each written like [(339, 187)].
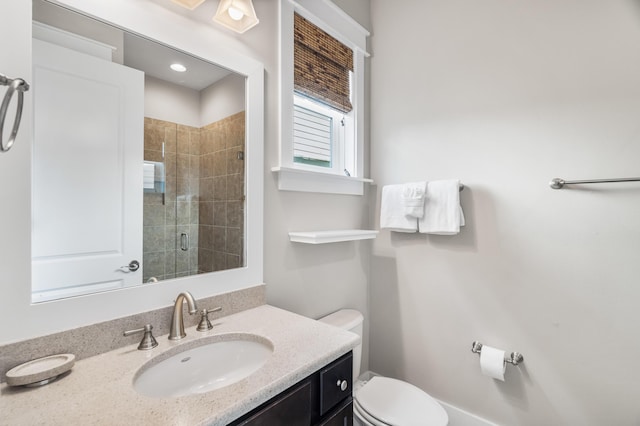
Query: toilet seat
[(387, 401), (364, 418)]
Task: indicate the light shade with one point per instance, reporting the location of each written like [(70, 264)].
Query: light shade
[(237, 15), (189, 4)]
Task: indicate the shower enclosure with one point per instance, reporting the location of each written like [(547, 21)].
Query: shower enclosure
[(194, 210)]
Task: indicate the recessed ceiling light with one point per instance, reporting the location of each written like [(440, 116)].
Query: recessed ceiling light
[(178, 67)]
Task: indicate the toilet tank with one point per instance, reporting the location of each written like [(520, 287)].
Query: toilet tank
[(350, 320)]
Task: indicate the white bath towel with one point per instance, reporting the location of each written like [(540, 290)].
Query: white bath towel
[(442, 211), (392, 215), (413, 198)]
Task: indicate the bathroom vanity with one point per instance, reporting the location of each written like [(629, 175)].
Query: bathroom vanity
[(306, 379), (323, 399)]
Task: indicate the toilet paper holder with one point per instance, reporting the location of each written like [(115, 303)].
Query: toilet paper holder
[(515, 357)]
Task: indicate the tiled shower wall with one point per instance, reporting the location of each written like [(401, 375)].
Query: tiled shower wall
[(204, 198), (222, 195)]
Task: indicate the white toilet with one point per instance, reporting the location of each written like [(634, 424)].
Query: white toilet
[(382, 401)]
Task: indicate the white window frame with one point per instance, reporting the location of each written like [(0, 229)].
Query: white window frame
[(302, 177)]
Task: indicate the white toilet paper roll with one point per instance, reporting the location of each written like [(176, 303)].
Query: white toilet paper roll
[(492, 362)]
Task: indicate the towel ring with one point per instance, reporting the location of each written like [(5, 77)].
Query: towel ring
[(15, 85)]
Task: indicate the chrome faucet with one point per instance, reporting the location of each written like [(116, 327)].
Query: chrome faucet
[(176, 331)]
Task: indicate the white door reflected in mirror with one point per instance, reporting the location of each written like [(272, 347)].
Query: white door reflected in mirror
[(87, 207)]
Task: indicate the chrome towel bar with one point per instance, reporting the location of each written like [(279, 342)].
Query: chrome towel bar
[(15, 85), (558, 183), (515, 357)]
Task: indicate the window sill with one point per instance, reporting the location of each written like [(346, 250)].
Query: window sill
[(291, 179), (323, 237)]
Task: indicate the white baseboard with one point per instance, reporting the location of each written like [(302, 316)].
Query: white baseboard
[(459, 417)]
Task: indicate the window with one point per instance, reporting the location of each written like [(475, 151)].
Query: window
[(323, 69), (322, 136), (314, 134), (322, 83)]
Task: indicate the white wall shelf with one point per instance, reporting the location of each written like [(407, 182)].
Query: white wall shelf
[(324, 237)]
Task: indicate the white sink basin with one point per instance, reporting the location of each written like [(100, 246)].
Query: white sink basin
[(203, 365)]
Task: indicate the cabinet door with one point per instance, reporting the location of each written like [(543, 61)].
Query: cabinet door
[(292, 409), (335, 383), (342, 417)]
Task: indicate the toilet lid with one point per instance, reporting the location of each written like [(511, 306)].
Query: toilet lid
[(399, 403)]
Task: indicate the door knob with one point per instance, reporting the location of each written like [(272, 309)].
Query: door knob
[(133, 266)]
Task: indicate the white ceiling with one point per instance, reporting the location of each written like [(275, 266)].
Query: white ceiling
[(154, 59), (203, 13), (136, 52)]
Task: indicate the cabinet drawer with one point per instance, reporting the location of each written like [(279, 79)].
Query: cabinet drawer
[(335, 383)]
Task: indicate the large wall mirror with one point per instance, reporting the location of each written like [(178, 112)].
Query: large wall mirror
[(138, 159), (127, 154)]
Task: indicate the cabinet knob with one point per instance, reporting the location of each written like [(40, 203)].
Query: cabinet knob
[(343, 385)]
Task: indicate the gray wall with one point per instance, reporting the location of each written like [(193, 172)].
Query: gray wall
[(506, 96), (312, 280), (359, 10)]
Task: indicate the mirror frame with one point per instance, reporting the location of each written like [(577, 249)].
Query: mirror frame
[(198, 40)]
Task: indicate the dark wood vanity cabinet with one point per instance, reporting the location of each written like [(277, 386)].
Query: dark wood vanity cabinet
[(322, 399)]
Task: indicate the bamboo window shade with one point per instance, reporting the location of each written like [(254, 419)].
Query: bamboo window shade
[(322, 65)]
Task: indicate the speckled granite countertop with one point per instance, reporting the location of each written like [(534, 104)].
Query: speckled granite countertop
[(99, 390)]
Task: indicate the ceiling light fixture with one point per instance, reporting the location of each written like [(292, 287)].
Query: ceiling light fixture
[(237, 15), (189, 4), (178, 67)]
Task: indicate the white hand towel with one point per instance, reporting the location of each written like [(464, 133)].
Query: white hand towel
[(413, 198), (392, 211), (442, 211), (148, 174)]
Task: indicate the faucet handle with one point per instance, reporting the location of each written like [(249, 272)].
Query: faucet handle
[(148, 341), (205, 324)]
